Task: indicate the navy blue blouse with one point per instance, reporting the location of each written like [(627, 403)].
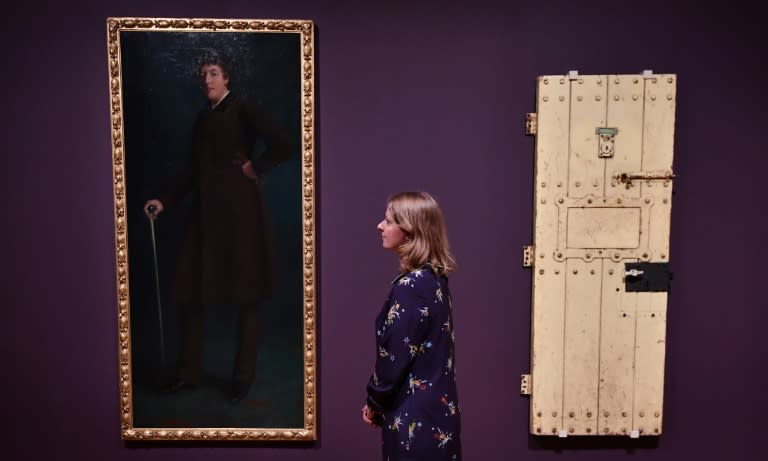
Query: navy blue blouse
[(414, 383)]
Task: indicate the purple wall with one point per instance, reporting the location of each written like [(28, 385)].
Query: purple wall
[(410, 97)]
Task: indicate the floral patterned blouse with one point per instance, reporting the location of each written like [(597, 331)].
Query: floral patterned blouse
[(414, 383)]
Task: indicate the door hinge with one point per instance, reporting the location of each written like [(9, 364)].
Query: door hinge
[(525, 384), (528, 256), (530, 123)]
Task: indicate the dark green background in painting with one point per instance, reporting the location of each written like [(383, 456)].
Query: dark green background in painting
[(161, 98)]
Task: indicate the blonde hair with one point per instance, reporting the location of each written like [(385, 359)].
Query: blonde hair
[(419, 217)]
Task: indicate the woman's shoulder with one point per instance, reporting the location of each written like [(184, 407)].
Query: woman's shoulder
[(420, 279)]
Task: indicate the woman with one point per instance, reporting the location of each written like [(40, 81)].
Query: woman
[(412, 392)]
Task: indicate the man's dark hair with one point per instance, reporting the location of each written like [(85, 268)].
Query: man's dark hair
[(215, 58)]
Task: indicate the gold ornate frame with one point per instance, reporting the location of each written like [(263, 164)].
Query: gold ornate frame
[(304, 29)]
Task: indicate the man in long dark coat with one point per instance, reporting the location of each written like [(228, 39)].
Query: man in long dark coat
[(223, 256)]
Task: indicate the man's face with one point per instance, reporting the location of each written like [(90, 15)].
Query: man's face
[(214, 82)]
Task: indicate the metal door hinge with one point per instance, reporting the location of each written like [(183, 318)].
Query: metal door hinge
[(530, 123), (525, 384), (528, 256)]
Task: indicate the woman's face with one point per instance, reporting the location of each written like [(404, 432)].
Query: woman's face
[(391, 234), (214, 82)]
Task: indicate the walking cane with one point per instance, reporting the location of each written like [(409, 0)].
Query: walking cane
[(151, 209)]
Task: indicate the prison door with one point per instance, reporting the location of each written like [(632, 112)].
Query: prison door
[(603, 191)]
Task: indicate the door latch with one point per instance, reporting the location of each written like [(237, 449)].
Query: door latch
[(627, 178)]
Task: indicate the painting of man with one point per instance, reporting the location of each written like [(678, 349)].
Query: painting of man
[(219, 178)]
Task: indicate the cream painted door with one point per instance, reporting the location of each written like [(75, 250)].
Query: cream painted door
[(603, 196)]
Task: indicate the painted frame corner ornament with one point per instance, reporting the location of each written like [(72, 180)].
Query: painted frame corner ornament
[(213, 165)]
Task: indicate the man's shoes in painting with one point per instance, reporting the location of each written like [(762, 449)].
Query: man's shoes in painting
[(239, 392), (176, 385)]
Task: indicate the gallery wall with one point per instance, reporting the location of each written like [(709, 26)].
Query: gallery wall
[(427, 95)]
